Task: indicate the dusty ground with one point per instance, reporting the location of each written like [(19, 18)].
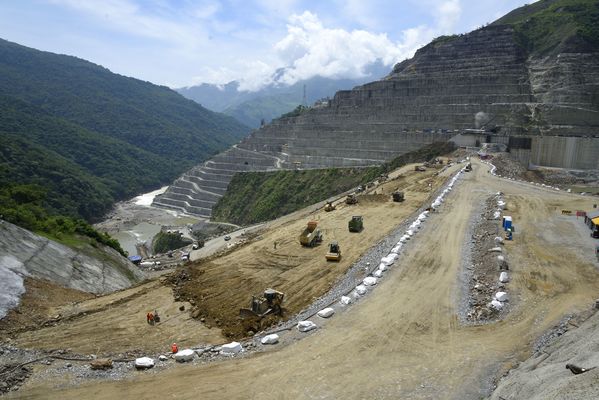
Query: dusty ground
[(404, 339)]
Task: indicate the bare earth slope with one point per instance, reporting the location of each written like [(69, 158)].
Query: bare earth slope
[(404, 339)]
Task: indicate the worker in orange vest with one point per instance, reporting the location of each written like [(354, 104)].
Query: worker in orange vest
[(174, 348)]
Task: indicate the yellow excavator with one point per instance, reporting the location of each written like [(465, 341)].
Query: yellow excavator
[(334, 253)]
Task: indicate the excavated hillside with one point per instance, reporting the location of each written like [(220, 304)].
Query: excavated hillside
[(522, 78)]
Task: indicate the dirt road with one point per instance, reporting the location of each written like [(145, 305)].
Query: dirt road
[(403, 340)]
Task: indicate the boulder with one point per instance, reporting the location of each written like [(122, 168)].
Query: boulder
[(501, 296), (370, 281), (326, 313), (504, 277), (270, 339), (144, 363), (163, 357), (101, 363), (496, 304), (345, 300), (305, 326), (184, 355), (382, 267), (378, 273), (361, 290), (231, 348)]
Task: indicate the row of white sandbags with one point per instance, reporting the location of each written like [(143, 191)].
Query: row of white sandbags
[(385, 263)]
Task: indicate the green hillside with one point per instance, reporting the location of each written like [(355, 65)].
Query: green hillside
[(87, 137), (549, 26), (260, 196)]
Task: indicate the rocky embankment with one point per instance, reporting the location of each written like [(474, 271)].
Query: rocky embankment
[(25, 254), (486, 270), (545, 376)]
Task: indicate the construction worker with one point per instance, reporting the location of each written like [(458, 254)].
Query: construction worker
[(156, 316), (174, 348), (151, 318), (148, 317)]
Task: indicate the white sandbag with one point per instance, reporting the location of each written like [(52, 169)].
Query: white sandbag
[(184, 355), (369, 281), (496, 304), (326, 312), (500, 258), (498, 239), (270, 339), (410, 232), (383, 267), (163, 357), (305, 326), (361, 290), (396, 249), (495, 250), (504, 277), (144, 363), (496, 215), (345, 300), (501, 204), (231, 348), (501, 296), (378, 273)]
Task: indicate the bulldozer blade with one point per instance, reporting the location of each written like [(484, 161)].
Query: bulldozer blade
[(246, 313)]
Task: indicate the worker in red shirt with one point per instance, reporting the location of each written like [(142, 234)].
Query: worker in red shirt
[(174, 348)]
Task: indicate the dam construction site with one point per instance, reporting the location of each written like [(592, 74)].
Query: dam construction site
[(433, 234)]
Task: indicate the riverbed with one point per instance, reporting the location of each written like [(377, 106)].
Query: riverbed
[(135, 221)]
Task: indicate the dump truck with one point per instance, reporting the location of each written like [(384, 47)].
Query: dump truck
[(334, 253), (329, 207), (355, 224), (351, 199), (398, 196), (311, 236)]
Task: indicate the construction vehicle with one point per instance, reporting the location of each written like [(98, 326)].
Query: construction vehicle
[(468, 167), (351, 199), (419, 168), (356, 224), (329, 207), (269, 303), (334, 253), (311, 236), (398, 196)]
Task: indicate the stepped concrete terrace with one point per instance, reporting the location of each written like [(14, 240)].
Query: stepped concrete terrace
[(424, 99)]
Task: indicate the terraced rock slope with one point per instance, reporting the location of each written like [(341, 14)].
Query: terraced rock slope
[(490, 72)]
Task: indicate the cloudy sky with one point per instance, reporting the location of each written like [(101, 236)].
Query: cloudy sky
[(185, 42)]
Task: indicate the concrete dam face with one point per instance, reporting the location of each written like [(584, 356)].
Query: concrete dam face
[(424, 99)]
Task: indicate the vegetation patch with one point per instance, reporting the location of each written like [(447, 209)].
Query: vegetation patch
[(254, 197), (546, 27), (166, 241)]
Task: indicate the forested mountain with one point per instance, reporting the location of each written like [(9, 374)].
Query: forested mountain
[(85, 137), (123, 135)]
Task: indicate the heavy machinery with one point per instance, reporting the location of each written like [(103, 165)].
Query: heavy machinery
[(355, 224), (398, 196), (269, 303), (351, 199), (311, 236), (420, 168), (468, 167), (334, 253), (329, 207)]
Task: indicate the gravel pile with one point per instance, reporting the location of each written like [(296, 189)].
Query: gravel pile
[(482, 267)]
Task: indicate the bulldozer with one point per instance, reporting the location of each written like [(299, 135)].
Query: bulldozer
[(264, 310), (334, 253), (398, 196), (351, 199), (355, 224), (261, 306), (419, 168), (329, 207), (311, 236)]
